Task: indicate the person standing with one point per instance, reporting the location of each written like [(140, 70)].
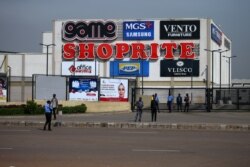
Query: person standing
[(139, 106), (153, 109), (54, 103), (179, 102), (187, 101), (157, 102), (48, 114), (169, 102)]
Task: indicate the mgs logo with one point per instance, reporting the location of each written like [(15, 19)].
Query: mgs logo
[(138, 25)]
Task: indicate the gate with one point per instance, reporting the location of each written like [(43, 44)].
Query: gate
[(201, 98)]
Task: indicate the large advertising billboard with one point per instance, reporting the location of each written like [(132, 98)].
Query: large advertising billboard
[(83, 89), (113, 89), (129, 68), (3, 87), (179, 68)]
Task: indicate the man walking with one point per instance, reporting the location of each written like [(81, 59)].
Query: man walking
[(48, 114)]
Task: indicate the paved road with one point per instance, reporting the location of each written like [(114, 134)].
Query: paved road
[(102, 147)]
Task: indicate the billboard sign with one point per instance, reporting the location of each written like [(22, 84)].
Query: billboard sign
[(129, 68), (113, 89), (80, 68), (216, 35), (185, 29), (3, 87), (138, 30), (83, 89), (179, 68)]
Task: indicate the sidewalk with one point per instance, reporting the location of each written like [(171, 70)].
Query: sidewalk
[(189, 121)]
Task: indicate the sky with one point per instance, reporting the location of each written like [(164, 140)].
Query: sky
[(22, 22)]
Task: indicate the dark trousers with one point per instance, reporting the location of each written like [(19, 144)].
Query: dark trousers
[(54, 112), (186, 108), (153, 115), (179, 107), (48, 121), (138, 115), (170, 106)]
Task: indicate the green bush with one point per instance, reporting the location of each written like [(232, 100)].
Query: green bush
[(74, 109), (31, 108), (12, 111)]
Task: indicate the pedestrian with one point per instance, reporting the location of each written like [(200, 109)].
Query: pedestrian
[(48, 114), (54, 104), (157, 102), (153, 110), (169, 102), (139, 106), (187, 102), (179, 102)]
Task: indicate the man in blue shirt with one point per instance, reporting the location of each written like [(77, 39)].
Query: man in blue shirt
[(169, 102), (48, 114)]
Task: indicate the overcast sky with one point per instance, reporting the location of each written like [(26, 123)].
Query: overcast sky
[(23, 21)]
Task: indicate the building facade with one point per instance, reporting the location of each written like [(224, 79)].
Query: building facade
[(156, 53)]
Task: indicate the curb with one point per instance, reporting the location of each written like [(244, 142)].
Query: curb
[(130, 125)]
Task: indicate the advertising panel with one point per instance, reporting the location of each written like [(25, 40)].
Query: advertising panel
[(185, 29), (80, 68), (138, 30), (129, 68), (113, 89), (179, 68), (216, 35), (83, 89), (3, 87)]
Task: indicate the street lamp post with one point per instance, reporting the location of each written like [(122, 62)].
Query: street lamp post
[(47, 50), (220, 64), (212, 51), (229, 69), (9, 81)]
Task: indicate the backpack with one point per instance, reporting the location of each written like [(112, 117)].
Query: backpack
[(140, 104)]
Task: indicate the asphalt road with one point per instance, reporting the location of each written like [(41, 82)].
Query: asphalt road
[(103, 147)]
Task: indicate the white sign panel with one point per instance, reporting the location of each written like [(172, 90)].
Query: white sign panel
[(113, 89), (80, 68)]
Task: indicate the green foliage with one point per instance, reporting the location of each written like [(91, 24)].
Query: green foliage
[(18, 110), (32, 108), (74, 109)]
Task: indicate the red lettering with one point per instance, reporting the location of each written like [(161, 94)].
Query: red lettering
[(154, 55), (121, 49), (138, 51), (86, 51), (104, 51), (169, 49), (186, 51), (69, 51)]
